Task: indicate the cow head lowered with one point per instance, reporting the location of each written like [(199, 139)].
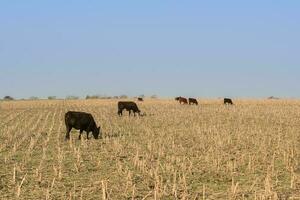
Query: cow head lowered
[(96, 132)]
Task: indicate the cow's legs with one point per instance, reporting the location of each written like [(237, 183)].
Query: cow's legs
[(87, 134), (68, 132), (129, 113), (79, 138), (120, 112)]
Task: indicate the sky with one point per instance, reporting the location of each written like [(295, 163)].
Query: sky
[(169, 48)]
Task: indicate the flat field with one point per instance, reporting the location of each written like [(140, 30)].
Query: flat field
[(247, 151)]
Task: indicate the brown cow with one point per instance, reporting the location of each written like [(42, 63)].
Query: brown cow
[(181, 100)]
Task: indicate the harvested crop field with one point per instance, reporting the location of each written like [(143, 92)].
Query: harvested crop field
[(247, 151)]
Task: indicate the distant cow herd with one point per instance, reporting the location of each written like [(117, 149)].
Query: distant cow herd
[(190, 101), (193, 101), (85, 121)]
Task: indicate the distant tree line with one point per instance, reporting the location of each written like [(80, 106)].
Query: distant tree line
[(106, 97), (123, 96), (52, 97), (33, 98), (72, 97)]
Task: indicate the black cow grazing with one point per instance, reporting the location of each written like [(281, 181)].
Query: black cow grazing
[(83, 122), (181, 100), (140, 99), (228, 101), (193, 101), (129, 106)]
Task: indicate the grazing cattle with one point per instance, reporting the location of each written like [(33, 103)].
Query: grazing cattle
[(140, 99), (181, 100), (228, 101), (193, 101), (129, 106), (83, 122)]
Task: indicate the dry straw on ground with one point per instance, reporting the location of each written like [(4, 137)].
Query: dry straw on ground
[(247, 151)]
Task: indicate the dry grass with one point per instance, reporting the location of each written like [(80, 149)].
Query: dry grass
[(247, 151)]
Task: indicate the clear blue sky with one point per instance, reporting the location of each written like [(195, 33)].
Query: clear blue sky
[(169, 48)]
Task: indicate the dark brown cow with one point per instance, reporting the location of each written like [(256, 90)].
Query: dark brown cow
[(83, 122), (129, 106), (181, 100), (228, 101), (140, 99), (193, 101)]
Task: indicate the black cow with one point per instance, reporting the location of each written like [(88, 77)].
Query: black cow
[(129, 106), (193, 101), (83, 122), (140, 99), (228, 101)]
